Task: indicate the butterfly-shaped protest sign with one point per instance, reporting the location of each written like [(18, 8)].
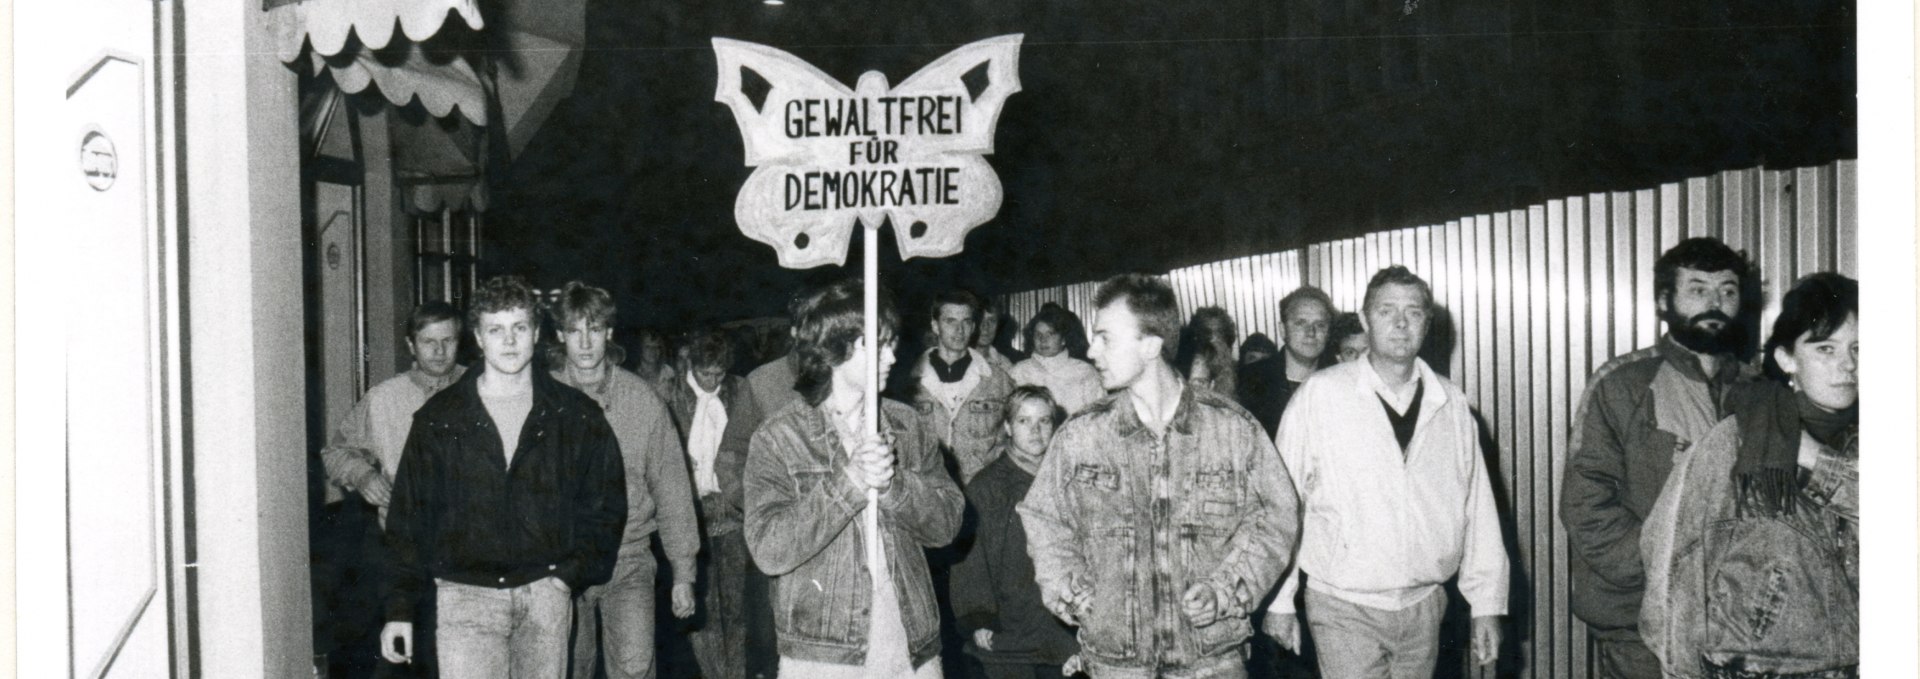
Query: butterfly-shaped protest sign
[(826, 156)]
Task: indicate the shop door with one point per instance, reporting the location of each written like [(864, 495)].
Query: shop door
[(121, 399)]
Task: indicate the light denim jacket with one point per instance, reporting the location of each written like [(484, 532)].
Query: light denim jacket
[(969, 435), (1140, 517), (1754, 596), (800, 528)]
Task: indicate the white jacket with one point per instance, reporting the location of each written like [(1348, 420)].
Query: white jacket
[(1381, 529)]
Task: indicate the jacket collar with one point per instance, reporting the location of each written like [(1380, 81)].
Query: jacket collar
[(545, 394), (1688, 363), (432, 385), (680, 389), (1127, 420), (816, 427)]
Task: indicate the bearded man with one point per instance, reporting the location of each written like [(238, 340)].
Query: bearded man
[(1639, 412)]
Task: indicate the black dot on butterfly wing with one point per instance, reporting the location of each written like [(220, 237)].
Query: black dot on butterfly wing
[(755, 87), (917, 231), (801, 241), (976, 80)]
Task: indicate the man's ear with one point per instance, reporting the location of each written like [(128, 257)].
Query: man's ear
[(1663, 301)]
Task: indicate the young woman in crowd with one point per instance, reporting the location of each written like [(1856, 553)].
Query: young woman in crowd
[(1346, 340), (995, 599), (1051, 335), (1206, 351)]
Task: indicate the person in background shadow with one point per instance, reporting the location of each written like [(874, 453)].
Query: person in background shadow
[(1265, 386), (1051, 334), (717, 416), (362, 456)]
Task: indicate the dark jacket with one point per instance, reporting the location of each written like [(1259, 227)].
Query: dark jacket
[(801, 513), (721, 512), (1264, 390), (1136, 518), (994, 588), (1638, 412), (459, 513)]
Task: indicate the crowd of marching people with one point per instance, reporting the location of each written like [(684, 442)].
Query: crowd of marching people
[(1130, 496)]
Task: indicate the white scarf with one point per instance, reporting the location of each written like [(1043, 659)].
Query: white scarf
[(703, 442)]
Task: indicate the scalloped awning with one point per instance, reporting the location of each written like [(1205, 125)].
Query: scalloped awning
[(404, 73), (326, 23)]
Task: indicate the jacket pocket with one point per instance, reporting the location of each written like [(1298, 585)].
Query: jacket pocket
[(978, 421), (1778, 599), (1201, 547), (1107, 627)]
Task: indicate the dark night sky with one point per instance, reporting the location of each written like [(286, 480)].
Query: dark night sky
[(1149, 136)]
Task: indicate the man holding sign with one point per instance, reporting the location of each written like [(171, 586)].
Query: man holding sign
[(809, 470)]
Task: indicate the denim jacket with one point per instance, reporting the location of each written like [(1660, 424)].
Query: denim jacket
[(1139, 517), (800, 528), (969, 435), (1753, 596)]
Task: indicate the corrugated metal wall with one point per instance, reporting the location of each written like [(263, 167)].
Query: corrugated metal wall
[(1537, 299)]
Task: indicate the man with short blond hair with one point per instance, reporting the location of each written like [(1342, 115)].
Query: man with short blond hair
[(508, 499), (615, 621), (1160, 516)]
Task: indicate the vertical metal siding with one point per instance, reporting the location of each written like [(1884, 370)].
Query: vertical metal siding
[(1538, 299)]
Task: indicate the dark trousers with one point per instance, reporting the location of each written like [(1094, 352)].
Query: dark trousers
[(1016, 671), (719, 628), (763, 648), (353, 571), (1618, 655)]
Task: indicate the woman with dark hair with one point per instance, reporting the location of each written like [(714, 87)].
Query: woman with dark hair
[(1206, 351), (1753, 549), (809, 469), (1072, 380), (1346, 340)]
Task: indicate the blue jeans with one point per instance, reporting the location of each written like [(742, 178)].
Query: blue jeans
[(1360, 641), (517, 633), (615, 621)]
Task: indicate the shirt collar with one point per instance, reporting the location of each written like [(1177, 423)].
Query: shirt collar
[(1430, 399), (599, 388), (431, 384), (1727, 367)]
